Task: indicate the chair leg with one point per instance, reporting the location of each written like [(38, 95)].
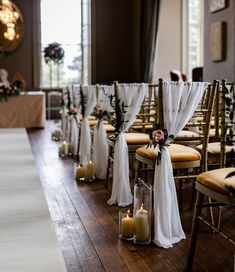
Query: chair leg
[(137, 171), (194, 231), (180, 198), (108, 167), (211, 213)]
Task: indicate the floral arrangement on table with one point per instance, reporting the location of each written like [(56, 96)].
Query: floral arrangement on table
[(53, 53), (160, 139), (8, 91)]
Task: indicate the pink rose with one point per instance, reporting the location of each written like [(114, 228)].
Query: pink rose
[(158, 135)]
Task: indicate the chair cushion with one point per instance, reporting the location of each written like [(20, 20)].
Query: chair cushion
[(133, 138), (215, 179), (178, 153), (215, 148)]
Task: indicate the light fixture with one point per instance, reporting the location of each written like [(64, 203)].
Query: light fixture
[(9, 17)]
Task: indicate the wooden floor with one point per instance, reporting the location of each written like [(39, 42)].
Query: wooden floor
[(87, 228)]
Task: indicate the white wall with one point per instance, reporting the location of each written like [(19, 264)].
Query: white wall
[(169, 42)]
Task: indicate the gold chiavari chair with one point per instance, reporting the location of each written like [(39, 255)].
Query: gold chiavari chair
[(136, 136), (186, 161), (217, 184)]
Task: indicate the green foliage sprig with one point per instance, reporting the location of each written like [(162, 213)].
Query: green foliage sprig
[(118, 120), (83, 101)]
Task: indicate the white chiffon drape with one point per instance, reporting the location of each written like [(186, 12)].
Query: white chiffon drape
[(130, 95), (75, 119), (64, 113), (180, 100), (100, 144), (85, 140)]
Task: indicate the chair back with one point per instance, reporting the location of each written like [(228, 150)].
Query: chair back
[(147, 117), (200, 123), (227, 121)]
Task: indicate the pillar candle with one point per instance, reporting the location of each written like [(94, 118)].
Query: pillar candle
[(127, 227), (141, 224), (64, 148), (79, 172), (89, 171), (70, 148)]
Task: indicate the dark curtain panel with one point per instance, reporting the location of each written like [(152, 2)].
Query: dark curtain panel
[(149, 28)]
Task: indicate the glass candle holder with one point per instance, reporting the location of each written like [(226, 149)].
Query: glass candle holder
[(126, 225), (55, 135), (142, 212), (70, 149)]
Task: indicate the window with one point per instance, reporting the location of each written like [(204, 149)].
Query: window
[(66, 23), (192, 35)]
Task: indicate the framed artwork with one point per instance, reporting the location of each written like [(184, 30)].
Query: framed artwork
[(215, 5), (217, 41)]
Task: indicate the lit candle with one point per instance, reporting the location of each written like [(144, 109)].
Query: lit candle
[(79, 172), (127, 226), (57, 134), (89, 171), (60, 151), (64, 148), (70, 149), (141, 224)]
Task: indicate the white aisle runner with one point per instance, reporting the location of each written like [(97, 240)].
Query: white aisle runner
[(27, 239)]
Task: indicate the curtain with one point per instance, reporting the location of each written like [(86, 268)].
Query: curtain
[(131, 96), (180, 100), (89, 93), (149, 27), (100, 144)]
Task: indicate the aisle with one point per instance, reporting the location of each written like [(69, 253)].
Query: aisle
[(87, 228), (27, 239)]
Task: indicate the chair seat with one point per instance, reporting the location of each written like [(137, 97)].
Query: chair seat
[(215, 179), (215, 148), (178, 153), (133, 138), (109, 128), (185, 134), (93, 123)]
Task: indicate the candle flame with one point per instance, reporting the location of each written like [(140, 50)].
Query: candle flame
[(128, 212), (142, 207)]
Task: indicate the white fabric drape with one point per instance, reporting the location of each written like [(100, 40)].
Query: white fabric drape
[(75, 122), (74, 134), (131, 95), (85, 140), (100, 144), (180, 100)]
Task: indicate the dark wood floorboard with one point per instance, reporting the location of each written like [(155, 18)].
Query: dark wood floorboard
[(87, 227)]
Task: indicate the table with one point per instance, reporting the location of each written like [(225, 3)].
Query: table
[(27, 110), (27, 239)]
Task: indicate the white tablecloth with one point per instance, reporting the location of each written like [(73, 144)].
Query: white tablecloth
[(27, 239), (27, 110)]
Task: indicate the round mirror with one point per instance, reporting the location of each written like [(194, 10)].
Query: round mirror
[(11, 27)]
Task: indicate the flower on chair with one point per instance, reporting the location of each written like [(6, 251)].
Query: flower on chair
[(160, 139)]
